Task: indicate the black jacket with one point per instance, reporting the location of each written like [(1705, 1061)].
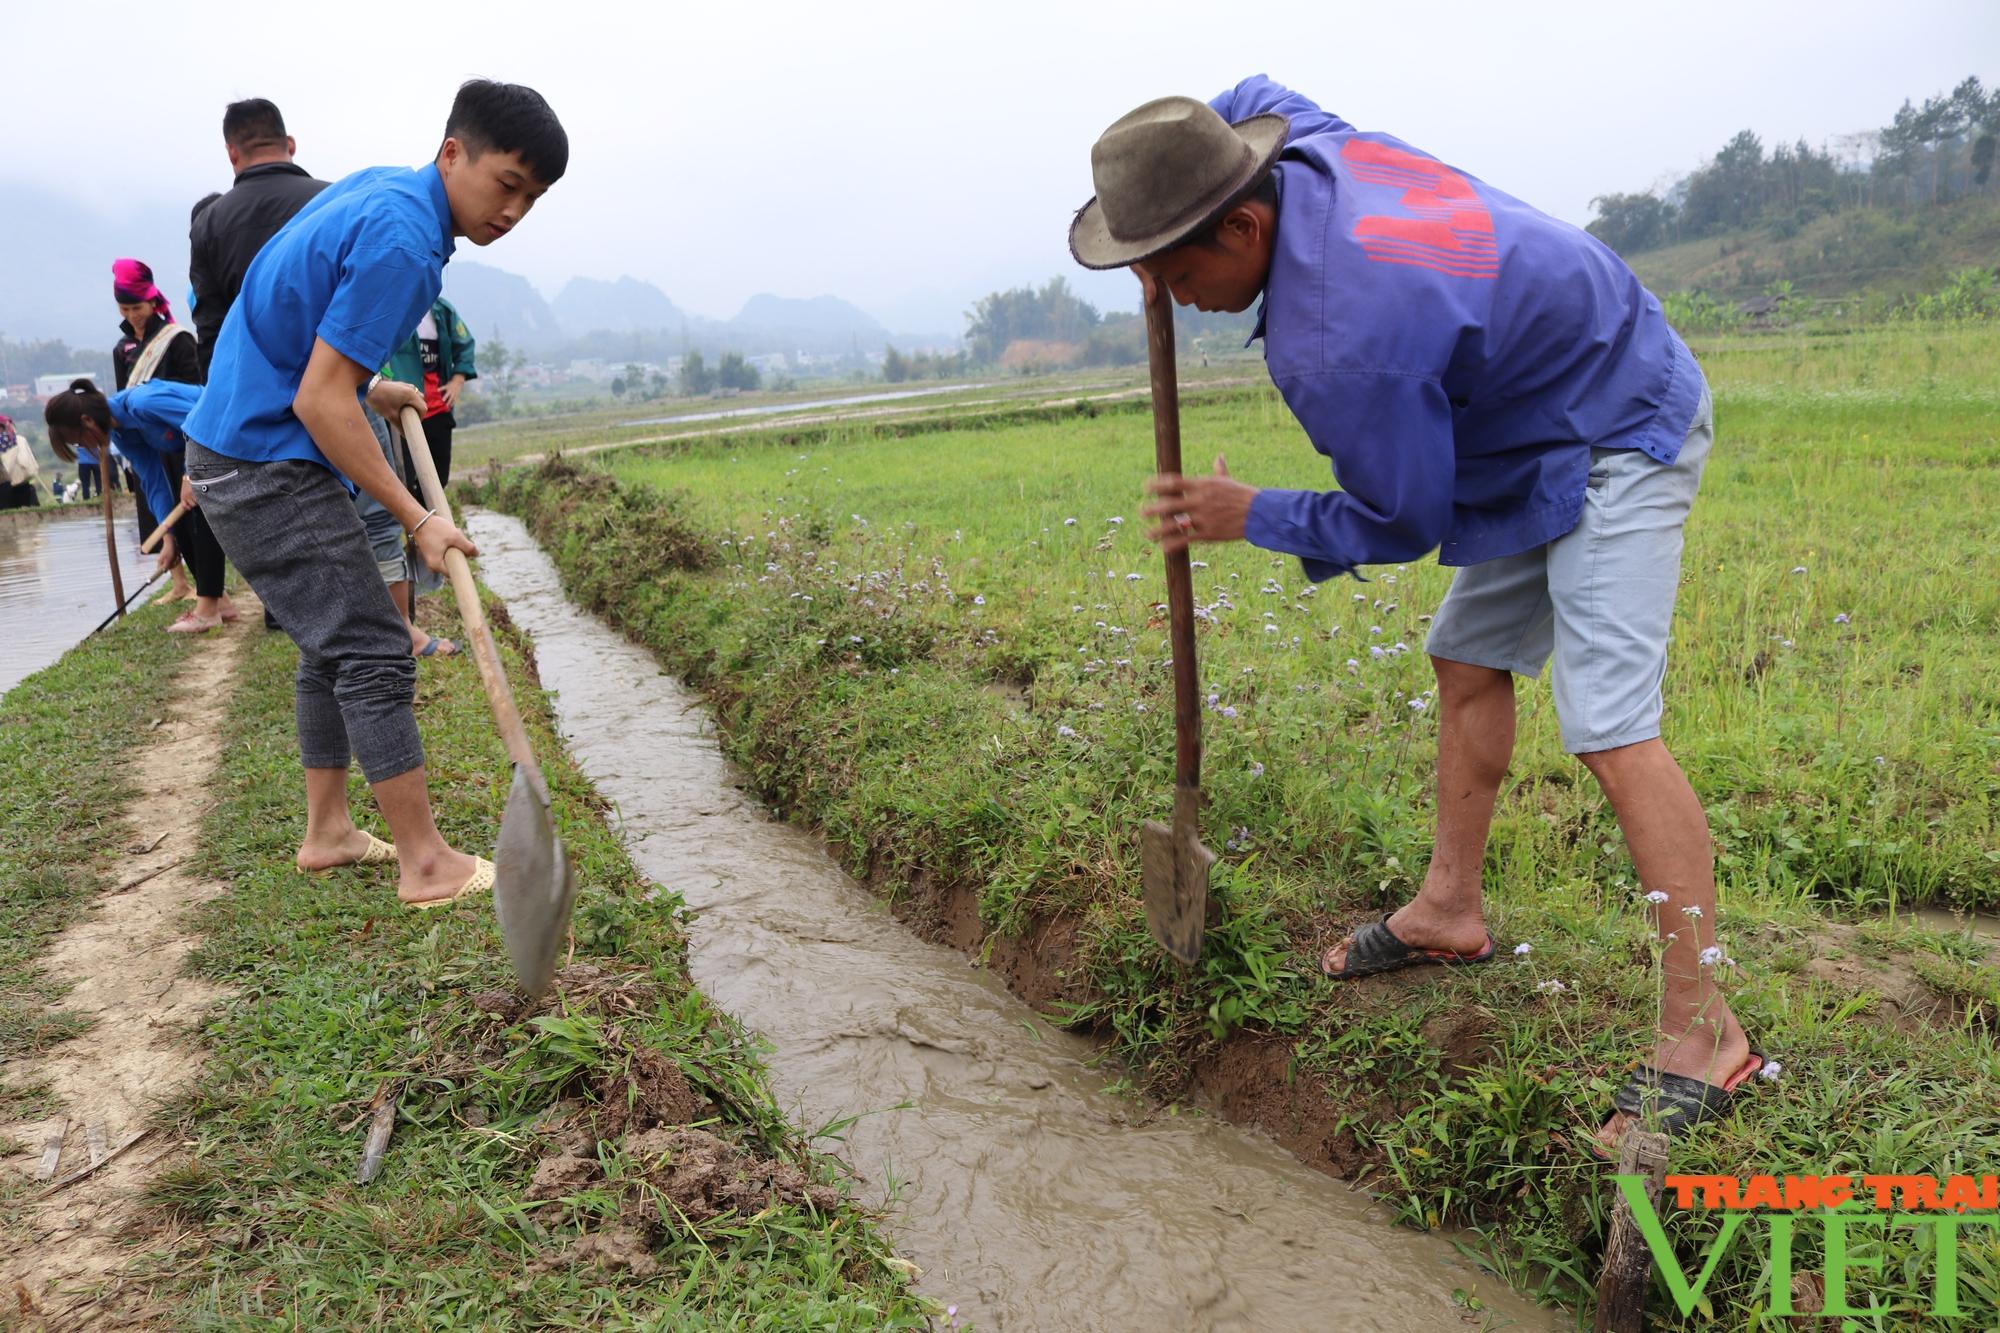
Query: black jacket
[(183, 361), (227, 235)]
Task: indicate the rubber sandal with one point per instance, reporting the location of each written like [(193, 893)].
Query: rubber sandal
[(188, 624), (1374, 949), (1672, 1103), (377, 853), (480, 882), (431, 649)]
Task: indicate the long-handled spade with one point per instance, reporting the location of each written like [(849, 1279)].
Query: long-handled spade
[(1175, 864), (533, 884)]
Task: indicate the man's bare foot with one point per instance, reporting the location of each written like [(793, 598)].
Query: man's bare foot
[(1421, 927), (438, 876), (327, 851), (1712, 1051)]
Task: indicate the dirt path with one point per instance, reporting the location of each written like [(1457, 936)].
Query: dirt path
[(60, 1267)]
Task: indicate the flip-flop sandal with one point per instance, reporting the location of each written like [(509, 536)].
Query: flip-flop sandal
[(1674, 1102), (188, 624), (480, 882), (431, 649), (1374, 949), (377, 853)]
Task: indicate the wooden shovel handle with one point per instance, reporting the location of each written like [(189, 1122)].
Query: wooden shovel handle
[(174, 515), (499, 696), (1180, 578), (110, 529)]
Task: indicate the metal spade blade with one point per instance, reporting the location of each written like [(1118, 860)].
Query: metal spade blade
[(533, 885), (1174, 868)]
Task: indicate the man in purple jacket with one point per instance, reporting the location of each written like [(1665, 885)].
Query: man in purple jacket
[(1488, 383)]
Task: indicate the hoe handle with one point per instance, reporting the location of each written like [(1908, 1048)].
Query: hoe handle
[(491, 674), (152, 543), (1180, 578)]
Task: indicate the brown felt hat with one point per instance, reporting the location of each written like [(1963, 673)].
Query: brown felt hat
[(1165, 173)]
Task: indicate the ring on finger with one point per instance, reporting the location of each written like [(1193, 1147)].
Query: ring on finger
[(1184, 522)]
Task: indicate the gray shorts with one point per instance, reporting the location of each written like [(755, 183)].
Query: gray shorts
[(290, 528), (385, 534), (1600, 598)]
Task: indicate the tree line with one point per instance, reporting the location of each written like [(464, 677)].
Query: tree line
[(1027, 328), (1928, 154)]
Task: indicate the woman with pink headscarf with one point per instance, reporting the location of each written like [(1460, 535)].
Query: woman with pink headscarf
[(146, 316)]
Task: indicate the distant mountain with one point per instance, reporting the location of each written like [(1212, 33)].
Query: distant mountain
[(496, 302), (55, 263), (824, 324), (625, 306)]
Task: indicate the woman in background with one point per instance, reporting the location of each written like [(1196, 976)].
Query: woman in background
[(152, 346), (145, 423)]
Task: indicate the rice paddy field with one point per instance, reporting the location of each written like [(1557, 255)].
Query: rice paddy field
[(942, 643)]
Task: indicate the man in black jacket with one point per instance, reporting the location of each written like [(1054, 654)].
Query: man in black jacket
[(227, 235)]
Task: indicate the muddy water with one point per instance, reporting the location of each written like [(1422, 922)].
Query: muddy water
[(1986, 925), (1029, 1196), (55, 584)]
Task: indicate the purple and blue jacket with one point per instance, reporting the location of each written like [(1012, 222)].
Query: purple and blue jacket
[(1455, 353)]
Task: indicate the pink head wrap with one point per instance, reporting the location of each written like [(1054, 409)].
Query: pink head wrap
[(132, 282)]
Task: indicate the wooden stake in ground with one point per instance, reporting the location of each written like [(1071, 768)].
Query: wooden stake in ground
[(1628, 1264), (110, 531)]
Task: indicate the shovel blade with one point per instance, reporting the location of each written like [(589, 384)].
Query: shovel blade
[(533, 884), (1174, 867)]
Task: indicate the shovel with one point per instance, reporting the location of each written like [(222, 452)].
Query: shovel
[(533, 884), (1174, 863)]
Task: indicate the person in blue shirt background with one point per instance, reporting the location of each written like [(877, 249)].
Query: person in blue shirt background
[(1489, 383), (143, 425), (278, 441)]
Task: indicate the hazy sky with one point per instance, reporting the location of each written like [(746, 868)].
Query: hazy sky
[(910, 157)]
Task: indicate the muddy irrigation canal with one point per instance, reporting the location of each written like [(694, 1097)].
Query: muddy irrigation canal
[(1029, 1196), (55, 584)]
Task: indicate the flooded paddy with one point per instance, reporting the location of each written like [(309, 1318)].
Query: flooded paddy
[(55, 583)]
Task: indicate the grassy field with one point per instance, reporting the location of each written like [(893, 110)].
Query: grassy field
[(999, 393), (945, 648)]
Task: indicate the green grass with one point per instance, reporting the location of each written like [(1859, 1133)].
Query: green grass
[(63, 732), (1001, 393), (912, 647), (337, 992)]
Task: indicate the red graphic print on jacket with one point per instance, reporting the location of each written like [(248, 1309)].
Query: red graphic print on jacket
[(1450, 230)]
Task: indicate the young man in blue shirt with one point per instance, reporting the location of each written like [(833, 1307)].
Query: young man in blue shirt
[(1489, 383), (279, 439)]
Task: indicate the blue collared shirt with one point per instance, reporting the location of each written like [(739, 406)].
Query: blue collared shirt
[(358, 267), (149, 418), (1455, 353)]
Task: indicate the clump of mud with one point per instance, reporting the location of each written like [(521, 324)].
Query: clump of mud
[(637, 1129)]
